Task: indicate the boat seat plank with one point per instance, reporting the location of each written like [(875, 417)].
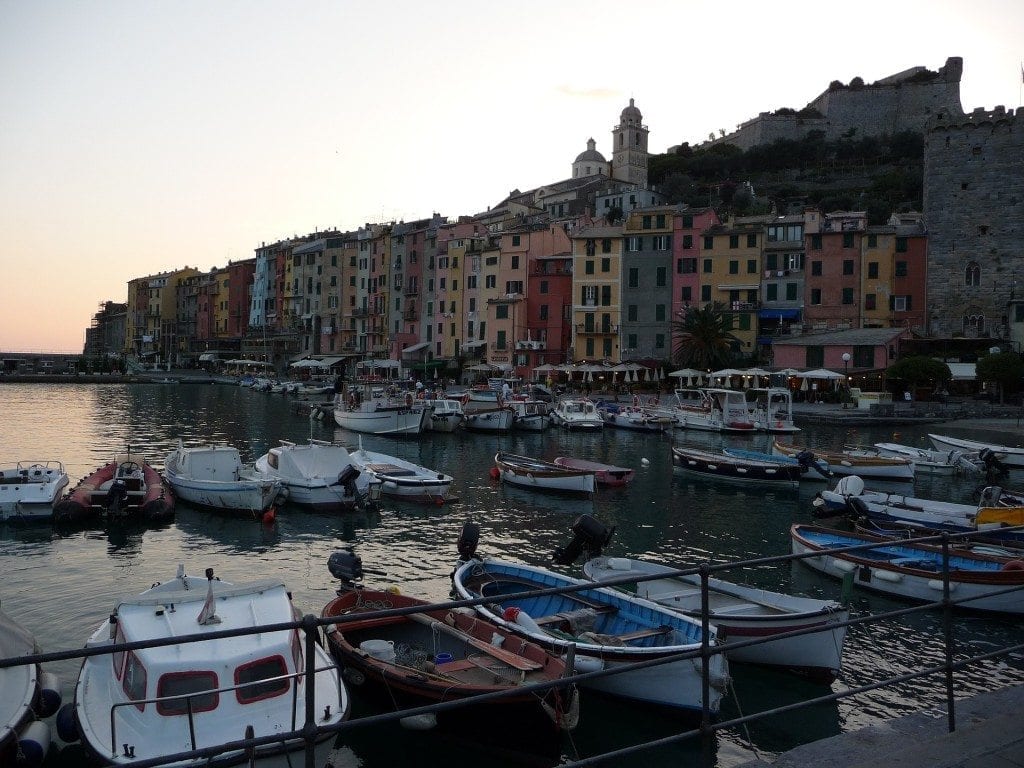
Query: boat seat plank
[(561, 616), (512, 659), (639, 634), (390, 469)]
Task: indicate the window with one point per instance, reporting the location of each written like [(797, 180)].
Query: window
[(734, 241), (709, 242), (606, 265), (634, 277), (514, 286), (634, 243), (589, 294), (490, 281), (752, 240), (972, 274), (791, 289), (515, 262), (815, 295), (543, 286), (686, 266), (863, 356), (707, 266), (589, 346), (847, 266), (687, 221), (901, 245), (606, 245), (472, 303), (659, 312), (500, 341), (847, 239), (606, 295), (659, 341), (588, 267), (901, 269), (872, 270), (815, 242), (631, 313), (687, 241), (183, 683), (816, 268), (134, 681), (606, 347), (471, 282), (515, 240), (869, 301), (744, 324), (751, 266), (899, 303), (659, 221), (734, 267), (686, 292), (771, 292), (847, 295), (646, 222), (631, 341), (705, 293), (661, 277), (872, 241), (501, 311), (543, 312), (661, 243), (815, 357)]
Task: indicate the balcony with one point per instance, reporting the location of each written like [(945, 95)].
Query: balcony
[(412, 290), (596, 330), (410, 314), (360, 312), (741, 306), (534, 344)]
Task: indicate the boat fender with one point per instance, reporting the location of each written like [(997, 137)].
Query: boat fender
[(583, 664), (936, 584), (424, 722), (888, 576), (1013, 565), (843, 565), (67, 727), (495, 473), (269, 516), (518, 616), (34, 743), (49, 698)]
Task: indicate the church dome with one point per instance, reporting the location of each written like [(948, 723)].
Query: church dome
[(631, 115), (590, 154)]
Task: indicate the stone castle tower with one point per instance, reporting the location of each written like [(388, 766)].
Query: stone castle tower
[(974, 213), (629, 147)]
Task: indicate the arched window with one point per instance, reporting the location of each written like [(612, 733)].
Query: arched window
[(972, 274), (974, 325)]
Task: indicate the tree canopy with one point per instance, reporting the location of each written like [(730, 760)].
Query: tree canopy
[(703, 338), (918, 370), (1004, 368)]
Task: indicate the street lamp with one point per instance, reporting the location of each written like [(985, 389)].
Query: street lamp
[(846, 377)]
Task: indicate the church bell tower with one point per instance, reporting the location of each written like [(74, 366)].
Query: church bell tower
[(629, 142)]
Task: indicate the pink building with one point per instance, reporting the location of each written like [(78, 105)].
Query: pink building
[(832, 282), (687, 227)]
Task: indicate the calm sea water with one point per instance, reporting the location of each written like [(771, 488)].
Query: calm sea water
[(62, 584)]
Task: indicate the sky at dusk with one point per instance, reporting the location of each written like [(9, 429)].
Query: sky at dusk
[(143, 136)]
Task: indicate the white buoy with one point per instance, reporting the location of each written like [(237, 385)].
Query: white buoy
[(644, 462)]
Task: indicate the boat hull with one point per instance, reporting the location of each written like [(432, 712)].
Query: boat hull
[(733, 469), (604, 474), (150, 498), (842, 465), (28, 492), (1008, 456), (542, 476), (885, 569), (495, 420), (385, 421), (251, 496), (743, 613), (674, 684)]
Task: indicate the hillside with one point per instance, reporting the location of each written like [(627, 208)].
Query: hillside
[(880, 175)]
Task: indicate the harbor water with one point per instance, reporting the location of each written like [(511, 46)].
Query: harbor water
[(62, 583)]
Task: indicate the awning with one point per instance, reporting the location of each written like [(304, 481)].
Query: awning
[(781, 314), (207, 357), (416, 347), (474, 344), (328, 362), (963, 371), (378, 364), (438, 362)]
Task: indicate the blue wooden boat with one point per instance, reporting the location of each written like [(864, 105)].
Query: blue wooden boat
[(811, 467)]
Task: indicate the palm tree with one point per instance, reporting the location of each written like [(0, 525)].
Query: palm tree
[(703, 338)]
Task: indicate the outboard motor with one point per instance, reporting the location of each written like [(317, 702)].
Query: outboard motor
[(994, 468), (116, 497), (469, 538), (857, 508), (347, 479), (806, 460), (990, 496), (346, 566), (591, 536)]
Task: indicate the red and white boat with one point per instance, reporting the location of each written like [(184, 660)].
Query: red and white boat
[(126, 488), (604, 474)]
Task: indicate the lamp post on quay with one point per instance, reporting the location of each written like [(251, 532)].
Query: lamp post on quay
[(846, 377)]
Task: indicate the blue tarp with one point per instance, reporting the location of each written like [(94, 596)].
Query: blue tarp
[(782, 314)]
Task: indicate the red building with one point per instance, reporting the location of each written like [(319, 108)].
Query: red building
[(832, 281)]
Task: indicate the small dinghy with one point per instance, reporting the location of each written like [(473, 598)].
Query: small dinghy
[(440, 655), (723, 466), (542, 475), (127, 488), (402, 479), (605, 474), (841, 463)]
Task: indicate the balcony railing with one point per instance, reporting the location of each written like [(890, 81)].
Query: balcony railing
[(410, 314), (360, 312), (596, 330), (412, 290)]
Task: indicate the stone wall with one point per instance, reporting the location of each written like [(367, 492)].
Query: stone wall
[(974, 212), (889, 106)]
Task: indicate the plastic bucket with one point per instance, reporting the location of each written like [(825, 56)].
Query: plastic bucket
[(442, 658), (379, 649)]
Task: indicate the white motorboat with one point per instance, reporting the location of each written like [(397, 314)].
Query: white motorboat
[(214, 477), (576, 414), (935, 462), (319, 474), (711, 410), (772, 409), (1009, 456), (29, 490), (28, 695), (605, 628), (741, 612), (498, 419), (530, 415), (155, 701), (446, 414), (359, 410), (542, 475), (402, 479)]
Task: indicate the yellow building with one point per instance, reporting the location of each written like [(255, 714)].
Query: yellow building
[(730, 277), (152, 321), (596, 286)]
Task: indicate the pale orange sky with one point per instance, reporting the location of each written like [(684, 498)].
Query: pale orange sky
[(141, 137)]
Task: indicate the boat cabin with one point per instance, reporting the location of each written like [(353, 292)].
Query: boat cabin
[(214, 462)]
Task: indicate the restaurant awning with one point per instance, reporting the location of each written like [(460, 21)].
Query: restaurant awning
[(963, 371), (781, 314), (416, 347), (474, 344)]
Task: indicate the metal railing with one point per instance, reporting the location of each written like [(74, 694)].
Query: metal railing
[(311, 732)]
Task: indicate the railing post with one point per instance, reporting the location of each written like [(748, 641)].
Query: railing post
[(309, 626), (707, 751), (947, 630)]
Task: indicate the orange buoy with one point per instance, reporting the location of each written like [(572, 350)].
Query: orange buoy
[(270, 516), (495, 473)]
